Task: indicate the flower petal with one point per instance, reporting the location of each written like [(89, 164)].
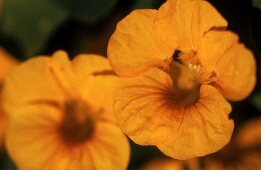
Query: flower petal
[(181, 23), (31, 132), (108, 142), (133, 47), (233, 64), (205, 128), (143, 109), (31, 81), (94, 72), (88, 64)]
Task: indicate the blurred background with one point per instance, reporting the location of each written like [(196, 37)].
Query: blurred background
[(36, 27)]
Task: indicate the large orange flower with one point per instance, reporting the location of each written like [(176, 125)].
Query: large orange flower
[(178, 104), (60, 114), (6, 63), (148, 38)]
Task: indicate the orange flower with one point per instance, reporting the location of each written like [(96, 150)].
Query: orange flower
[(148, 38), (176, 104), (6, 62), (61, 114)]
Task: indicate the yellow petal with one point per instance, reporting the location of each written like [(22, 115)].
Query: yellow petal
[(205, 128), (88, 64), (233, 64), (34, 131), (143, 110), (31, 81), (94, 72), (181, 23), (134, 48), (31, 138), (109, 148)]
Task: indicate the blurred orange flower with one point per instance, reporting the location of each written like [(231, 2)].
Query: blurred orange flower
[(6, 63), (61, 114), (171, 164)]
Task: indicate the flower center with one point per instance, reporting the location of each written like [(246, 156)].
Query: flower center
[(78, 123), (186, 84)]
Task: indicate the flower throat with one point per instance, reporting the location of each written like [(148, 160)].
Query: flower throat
[(78, 124), (186, 81)]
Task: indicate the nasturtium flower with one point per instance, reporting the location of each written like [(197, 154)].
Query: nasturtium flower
[(148, 38), (60, 114), (177, 65), (6, 63)]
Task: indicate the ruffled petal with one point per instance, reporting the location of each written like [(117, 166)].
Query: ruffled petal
[(233, 64), (205, 128), (133, 47), (144, 110), (181, 23)]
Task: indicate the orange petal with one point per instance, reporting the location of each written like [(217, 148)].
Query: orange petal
[(181, 23), (133, 47), (88, 64), (31, 132), (95, 78), (32, 81), (205, 128), (108, 142), (143, 110), (233, 64)]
